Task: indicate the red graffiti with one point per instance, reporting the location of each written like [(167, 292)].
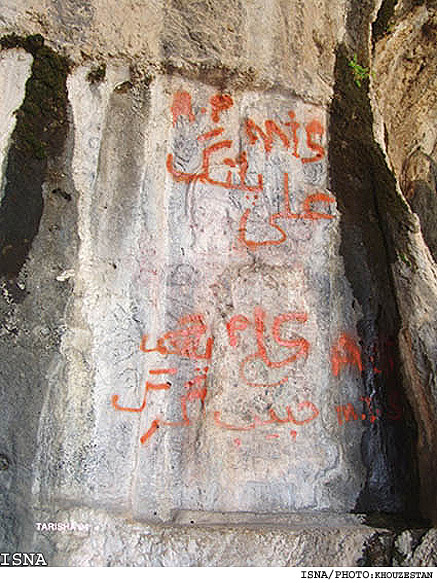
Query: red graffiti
[(346, 413), (294, 126), (191, 340), (182, 106), (212, 134), (308, 213), (213, 157), (220, 103), (253, 131), (273, 418), (314, 128), (204, 176), (153, 427), (313, 215), (236, 323), (184, 341), (371, 417), (298, 344), (195, 390), (149, 387), (345, 352)]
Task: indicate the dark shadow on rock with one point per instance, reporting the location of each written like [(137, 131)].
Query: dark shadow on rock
[(365, 191), (39, 133)]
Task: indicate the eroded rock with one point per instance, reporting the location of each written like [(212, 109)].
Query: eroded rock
[(223, 315)]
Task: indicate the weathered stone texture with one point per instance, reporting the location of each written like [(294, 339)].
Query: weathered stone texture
[(405, 96), (221, 342), (248, 42), (185, 253), (109, 541)]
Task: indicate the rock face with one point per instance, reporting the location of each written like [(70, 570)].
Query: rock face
[(411, 150), (218, 282)]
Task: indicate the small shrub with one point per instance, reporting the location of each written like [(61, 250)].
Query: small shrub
[(359, 72)]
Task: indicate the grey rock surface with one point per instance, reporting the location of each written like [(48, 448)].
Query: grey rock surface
[(99, 539), (425, 555), (217, 313)]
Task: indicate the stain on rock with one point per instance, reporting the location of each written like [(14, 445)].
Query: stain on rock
[(39, 134)]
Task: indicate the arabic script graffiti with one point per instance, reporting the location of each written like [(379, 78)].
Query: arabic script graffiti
[(305, 139)]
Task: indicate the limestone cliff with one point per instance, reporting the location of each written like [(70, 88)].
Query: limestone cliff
[(218, 275)]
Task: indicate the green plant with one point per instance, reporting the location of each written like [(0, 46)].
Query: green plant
[(405, 259), (359, 72)]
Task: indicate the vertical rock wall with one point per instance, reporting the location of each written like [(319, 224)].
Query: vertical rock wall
[(405, 68), (204, 299), (212, 290)]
